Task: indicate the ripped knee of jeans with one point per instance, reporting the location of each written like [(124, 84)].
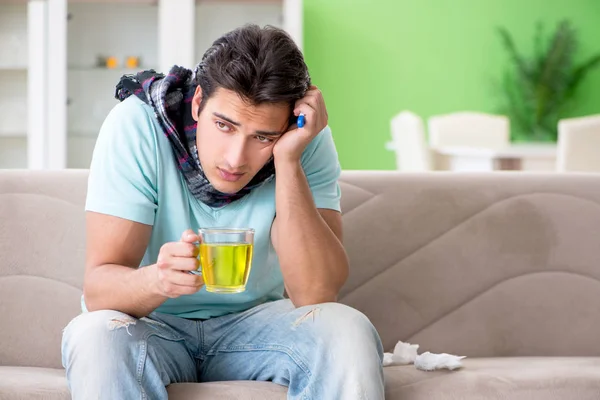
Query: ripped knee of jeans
[(308, 316), (121, 322)]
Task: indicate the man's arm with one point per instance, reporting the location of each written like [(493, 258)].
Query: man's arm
[(307, 240), (115, 247), (121, 206)]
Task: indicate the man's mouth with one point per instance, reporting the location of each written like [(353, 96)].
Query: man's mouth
[(230, 176)]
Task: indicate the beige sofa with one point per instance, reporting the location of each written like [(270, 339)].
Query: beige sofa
[(502, 268)]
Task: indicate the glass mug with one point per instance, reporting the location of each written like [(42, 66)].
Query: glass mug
[(225, 258)]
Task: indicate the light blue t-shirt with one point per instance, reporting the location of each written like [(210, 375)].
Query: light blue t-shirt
[(134, 175)]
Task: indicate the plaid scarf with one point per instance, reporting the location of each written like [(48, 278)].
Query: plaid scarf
[(171, 98)]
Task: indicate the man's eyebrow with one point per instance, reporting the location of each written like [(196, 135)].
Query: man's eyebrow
[(232, 122), (218, 115), (269, 133)]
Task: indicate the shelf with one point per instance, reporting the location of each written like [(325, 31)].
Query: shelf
[(100, 69), (151, 2), (83, 135), (241, 1), (13, 135), (13, 2), (13, 68)]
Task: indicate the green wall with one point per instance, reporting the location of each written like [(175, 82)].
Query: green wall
[(374, 58)]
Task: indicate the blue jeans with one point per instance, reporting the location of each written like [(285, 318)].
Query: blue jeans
[(327, 351)]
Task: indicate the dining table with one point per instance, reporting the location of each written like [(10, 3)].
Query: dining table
[(513, 157)]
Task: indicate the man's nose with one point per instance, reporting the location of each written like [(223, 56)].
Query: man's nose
[(236, 154)]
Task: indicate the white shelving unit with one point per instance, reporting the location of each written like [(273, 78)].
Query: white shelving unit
[(13, 85), (54, 93), (213, 19), (102, 29)]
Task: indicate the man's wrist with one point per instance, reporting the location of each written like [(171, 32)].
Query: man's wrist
[(148, 277), (287, 163)]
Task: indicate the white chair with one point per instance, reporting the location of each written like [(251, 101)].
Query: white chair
[(408, 141), (469, 129), (579, 144)]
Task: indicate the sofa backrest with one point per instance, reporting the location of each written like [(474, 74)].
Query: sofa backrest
[(503, 264), (42, 250), (490, 264)]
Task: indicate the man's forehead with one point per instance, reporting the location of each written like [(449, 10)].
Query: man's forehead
[(229, 105)]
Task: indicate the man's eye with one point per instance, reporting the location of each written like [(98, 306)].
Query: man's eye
[(222, 126), (263, 139)]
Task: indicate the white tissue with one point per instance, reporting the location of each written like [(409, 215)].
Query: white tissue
[(406, 353), (430, 361), (387, 359)]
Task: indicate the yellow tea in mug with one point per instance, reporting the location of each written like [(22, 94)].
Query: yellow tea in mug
[(225, 266)]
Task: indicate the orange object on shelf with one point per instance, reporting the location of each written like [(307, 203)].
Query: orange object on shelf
[(112, 62), (132, 62)]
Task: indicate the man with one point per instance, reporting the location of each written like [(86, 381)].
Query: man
[(218, 148)]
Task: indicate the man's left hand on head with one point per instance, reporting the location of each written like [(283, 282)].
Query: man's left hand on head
[(292, 143)]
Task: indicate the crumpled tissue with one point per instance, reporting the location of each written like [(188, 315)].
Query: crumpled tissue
[(406, 353), (430, 361)]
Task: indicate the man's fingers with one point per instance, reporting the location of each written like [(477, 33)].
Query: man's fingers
[(181, 278), (309, 114), (189, 236), (312, 101), (185, 263), (173, 290), (177, 249)]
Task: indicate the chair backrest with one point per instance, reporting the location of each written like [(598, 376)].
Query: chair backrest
[(469, 129), (579, 144), (408, 141)]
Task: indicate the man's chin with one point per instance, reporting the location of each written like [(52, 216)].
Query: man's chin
[(227, 187), (228, 190)]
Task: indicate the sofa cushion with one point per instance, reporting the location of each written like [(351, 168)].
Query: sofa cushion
[(32, 383), (228, 390), (514, 378)]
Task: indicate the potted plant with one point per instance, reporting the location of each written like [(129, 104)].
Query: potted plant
[(538, 88)]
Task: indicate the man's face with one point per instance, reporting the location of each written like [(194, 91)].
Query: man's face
[(235, 139)]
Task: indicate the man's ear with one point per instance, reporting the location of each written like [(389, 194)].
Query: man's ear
[(196, 101)]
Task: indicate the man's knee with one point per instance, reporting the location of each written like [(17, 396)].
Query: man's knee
[(334, 316), (333, 328), (338, 323), (98, 333)]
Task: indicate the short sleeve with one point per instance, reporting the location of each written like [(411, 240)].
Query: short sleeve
[(123, 172), (322, 168)]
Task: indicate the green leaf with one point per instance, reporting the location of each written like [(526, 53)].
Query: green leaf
[(538, 88)]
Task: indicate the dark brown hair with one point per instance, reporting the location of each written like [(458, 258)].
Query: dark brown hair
[(262, 65)]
